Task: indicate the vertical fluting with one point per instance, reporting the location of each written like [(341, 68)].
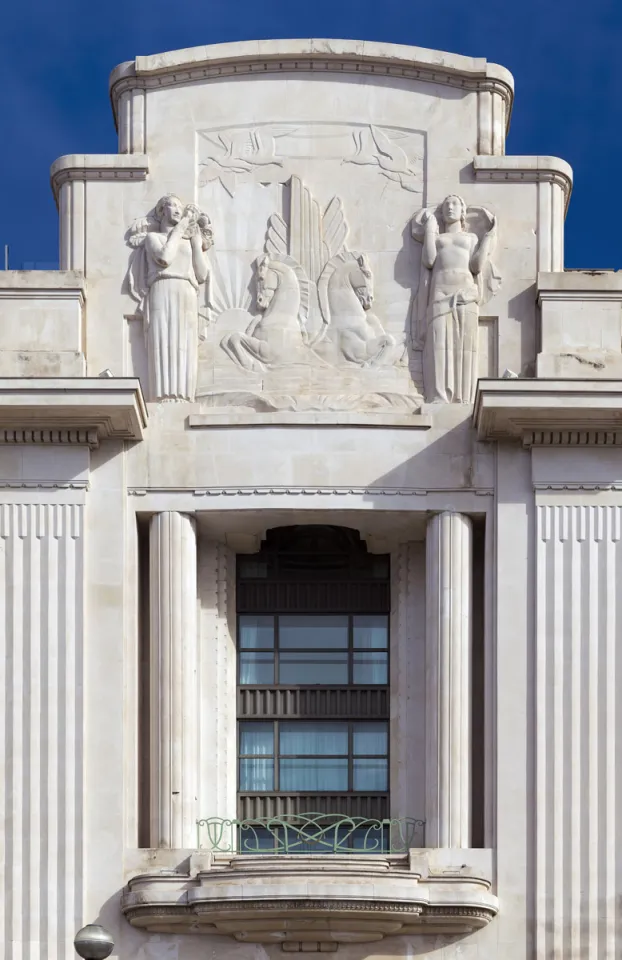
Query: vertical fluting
[(448, 669), (41, 741), (578, 630), (174, 688)]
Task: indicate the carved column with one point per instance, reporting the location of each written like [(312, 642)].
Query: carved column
[(448, 670), (173, 688)]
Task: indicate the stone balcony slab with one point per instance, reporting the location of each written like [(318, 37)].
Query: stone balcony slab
[(291, 899)]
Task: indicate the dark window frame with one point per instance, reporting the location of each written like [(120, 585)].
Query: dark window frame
[(276, 756), (350, 650)]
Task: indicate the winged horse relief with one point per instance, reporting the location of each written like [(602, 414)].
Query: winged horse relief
[(329, 292)]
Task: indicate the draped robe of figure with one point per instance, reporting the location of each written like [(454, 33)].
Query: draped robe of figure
[(448, 302), (450, 351), (171, 313)]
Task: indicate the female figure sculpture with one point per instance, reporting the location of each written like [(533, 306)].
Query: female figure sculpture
[(166, 271), (457, 276)]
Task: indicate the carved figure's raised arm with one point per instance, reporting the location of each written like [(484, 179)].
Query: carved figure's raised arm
[(167, 254), (200, 262), (430, 235), (484, 248)]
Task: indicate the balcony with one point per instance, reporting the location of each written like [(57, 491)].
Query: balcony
[(310, 882)]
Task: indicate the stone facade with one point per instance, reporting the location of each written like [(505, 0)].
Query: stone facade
[(311, 288)]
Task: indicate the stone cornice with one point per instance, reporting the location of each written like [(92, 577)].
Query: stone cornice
[(307, 491), (83, 410), (311, 56), (525, 170), (549, 412), (130, 166), (35, 284), (592, 285)]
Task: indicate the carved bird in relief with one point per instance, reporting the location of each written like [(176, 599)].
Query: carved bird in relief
[(375, 148)]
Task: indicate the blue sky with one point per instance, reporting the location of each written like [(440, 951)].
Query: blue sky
[(566, 57)]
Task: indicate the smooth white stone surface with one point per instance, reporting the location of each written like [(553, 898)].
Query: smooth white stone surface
[(174, 685), (449, 558)]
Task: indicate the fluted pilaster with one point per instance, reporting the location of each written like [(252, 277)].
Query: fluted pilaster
[(173, 694), (448, 669)]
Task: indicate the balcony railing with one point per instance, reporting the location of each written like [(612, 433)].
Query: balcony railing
[(310, 833)]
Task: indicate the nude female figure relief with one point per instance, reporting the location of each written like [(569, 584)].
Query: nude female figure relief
[(457, 277), (168, 267)]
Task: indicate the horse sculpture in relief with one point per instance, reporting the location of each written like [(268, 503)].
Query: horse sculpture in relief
[(350, 332), (276, 336), (315, 295)]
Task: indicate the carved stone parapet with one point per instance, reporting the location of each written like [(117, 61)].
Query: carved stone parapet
[(327, 56)]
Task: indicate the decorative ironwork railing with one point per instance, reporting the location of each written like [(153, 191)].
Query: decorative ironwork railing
[(310, 833)]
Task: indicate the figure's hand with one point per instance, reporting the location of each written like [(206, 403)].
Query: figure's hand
[(429, 221), (492, 220)]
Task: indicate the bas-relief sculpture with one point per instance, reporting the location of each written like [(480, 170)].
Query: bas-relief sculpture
[(167, 268), (236, 155), (457, 277), (314, 298), (315, 295)]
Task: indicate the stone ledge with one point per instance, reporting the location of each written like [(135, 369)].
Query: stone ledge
[(47, 284), (96, 408), (347, 56), (515, 409), (308, 418), (120, 166), (321, 898), (525, 170)]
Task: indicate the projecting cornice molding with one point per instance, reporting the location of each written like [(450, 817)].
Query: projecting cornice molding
[(550, 412), (122, 166), (525, 170), (311, 56), (71, 410)]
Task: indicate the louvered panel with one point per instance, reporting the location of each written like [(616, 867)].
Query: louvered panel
[(374, 807), (282, 596), (304, 702)]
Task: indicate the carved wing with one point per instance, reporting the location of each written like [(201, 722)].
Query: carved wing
[(334, 229), (137, 269), (277, 240)]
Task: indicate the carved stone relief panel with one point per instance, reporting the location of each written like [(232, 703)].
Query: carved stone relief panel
[(311, 281)]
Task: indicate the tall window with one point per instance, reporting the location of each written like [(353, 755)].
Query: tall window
[(313, 662)]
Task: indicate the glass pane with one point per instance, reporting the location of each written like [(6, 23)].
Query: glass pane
[(370, 775), (371, 631), (257, 668), (257, 774), (319, 774), (370, 738), (255, 632), (257, 738), (313, 738), (312, 631), (369, 668), (313, 668)]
